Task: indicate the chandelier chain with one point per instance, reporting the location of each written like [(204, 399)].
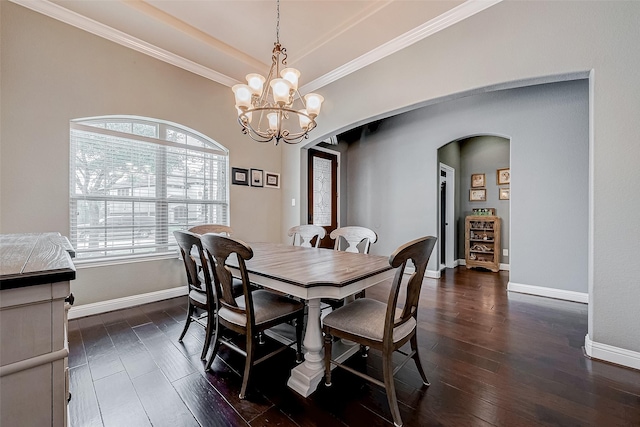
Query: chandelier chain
[(278, 22)]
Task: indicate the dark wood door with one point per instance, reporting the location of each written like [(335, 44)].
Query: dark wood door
[(322, 178)]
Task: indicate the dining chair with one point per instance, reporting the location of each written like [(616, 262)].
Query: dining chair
[(305, 234), (225, 230), (212, 228), (200, 290), (381, 326), (251, 313), (353, 236)]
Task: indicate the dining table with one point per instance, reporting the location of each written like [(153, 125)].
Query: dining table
[(312, 274)]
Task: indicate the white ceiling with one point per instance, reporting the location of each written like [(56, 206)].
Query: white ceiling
[(226, 39)]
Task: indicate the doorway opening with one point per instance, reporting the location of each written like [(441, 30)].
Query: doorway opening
[(447, 217)]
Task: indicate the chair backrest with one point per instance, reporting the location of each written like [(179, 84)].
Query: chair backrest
[(305, 234), (218, 249), (353, 235), (186, 242), (419, 252), (212, 228)]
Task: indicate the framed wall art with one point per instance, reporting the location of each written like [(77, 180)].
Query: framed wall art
[(256, 178), (239, 176), (478, 195), (505, 194), (477, 180), (272, 180), (503, 176)]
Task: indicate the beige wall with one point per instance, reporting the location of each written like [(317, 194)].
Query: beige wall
[(52, 73), (516, 41)]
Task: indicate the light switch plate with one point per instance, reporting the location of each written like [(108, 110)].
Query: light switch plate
[(505, 252)]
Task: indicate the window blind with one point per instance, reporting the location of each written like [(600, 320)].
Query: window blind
[(133, 181)]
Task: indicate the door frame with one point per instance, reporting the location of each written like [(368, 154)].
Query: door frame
[(339, 165), (448, 259)]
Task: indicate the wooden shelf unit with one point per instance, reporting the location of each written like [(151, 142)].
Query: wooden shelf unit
[(482, 242)]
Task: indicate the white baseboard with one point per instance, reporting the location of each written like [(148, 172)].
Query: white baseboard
[(609, 353), (126, 302), (549, 292), (432, 274)]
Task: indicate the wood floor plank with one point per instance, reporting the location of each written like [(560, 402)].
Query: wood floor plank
[(207, 405), (134, 355), (166, 356), (161, 401), (77, 354), (83, 406), (119, 403), (102, 356), (273, 416)]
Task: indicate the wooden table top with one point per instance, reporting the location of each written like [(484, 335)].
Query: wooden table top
[(311, 267), (33, 259)]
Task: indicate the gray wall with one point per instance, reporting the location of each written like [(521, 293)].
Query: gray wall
[(52, 73), (393, 176), (486, 154)]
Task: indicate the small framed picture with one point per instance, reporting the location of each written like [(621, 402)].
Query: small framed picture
[(477, 180), (503, 176), (272, 180), (504, 194), (240, 176), (479, 195), (256, 178)]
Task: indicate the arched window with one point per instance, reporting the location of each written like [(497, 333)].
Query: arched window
[(134, 180)]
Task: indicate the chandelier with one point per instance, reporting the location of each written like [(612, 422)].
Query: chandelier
[(267, 111)]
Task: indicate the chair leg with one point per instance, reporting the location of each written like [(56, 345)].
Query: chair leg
[(328, 341), (416, 358), (248, 364), (211, 324), (216, 346), (190, 310), (389, 385), (364, 350), (299, 325)]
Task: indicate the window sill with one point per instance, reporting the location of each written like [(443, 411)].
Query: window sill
[(131, 259)]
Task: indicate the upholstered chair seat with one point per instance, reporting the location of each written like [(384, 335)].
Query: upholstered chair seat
[(267, 307), (365, 317)]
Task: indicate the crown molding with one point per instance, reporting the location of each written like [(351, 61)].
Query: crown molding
[(439, 23), (451, 17), (74, 19)]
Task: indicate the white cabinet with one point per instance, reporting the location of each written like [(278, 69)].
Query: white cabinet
[(35, 271)]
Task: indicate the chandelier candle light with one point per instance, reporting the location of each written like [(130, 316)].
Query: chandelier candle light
[(270, 107)]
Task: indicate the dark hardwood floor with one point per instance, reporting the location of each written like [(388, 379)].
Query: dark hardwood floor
[(493, 358)]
